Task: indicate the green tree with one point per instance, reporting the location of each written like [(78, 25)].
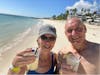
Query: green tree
[(82, 10), (88, 10), (74, 11), (71, 11), (54, 16), (60, 17), (66, 14)]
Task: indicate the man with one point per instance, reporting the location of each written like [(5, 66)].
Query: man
[(87, 52)]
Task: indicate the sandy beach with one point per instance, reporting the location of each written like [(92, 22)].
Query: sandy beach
[(30, 41)]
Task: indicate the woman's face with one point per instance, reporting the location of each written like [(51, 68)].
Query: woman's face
[(46, 42)]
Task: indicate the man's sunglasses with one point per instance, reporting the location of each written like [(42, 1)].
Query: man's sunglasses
[(45, 38)]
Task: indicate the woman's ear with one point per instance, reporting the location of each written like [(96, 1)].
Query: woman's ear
[(38, 42)]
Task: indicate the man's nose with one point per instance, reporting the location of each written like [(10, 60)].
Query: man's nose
[(74, 32)]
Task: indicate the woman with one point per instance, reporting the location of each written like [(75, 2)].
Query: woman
[(47, 60)]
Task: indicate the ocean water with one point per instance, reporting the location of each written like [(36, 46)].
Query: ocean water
[(14, 28)]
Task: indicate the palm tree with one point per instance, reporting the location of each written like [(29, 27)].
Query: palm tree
[(54, 16), (71, 11), (66, 13), (82, 10), (74, 11), (88, 10)]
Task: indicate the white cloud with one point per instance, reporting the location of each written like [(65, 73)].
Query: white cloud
[(82, 4), (95, 6)]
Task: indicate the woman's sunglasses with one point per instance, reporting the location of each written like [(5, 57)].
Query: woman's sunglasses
[(45, 38)]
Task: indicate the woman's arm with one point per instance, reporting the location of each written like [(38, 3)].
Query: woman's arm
[(11, 71), (21, 61)]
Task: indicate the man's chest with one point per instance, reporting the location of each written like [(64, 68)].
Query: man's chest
[(89, 63)]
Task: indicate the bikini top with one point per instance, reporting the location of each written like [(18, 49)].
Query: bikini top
[(50, 71)]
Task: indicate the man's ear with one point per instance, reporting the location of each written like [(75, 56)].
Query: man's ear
[(65, 32), (85, 28)]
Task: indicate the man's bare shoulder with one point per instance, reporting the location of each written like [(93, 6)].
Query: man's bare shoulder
[(94, 46)]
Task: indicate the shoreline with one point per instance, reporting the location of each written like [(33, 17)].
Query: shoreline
[(30, 41)]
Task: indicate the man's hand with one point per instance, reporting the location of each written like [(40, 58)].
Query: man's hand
[(67, 69)]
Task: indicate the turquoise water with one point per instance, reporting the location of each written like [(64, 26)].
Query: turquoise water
[(12, 26)]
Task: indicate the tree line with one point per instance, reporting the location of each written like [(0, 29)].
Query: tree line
[(74, 12)]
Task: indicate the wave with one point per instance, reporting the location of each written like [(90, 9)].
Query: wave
[(15, 41), (31, 31)]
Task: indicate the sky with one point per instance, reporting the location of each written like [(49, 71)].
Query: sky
[(44, 8)]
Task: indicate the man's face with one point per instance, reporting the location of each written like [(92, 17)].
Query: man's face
[(75, 32)]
